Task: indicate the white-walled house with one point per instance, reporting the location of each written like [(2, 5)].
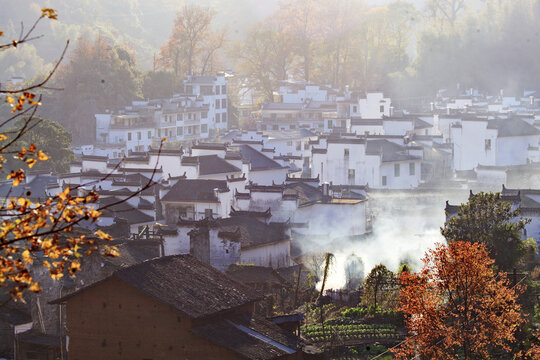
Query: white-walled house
[(213, 90), (240, 240), (493, 142), (195, 199), (380, 163), (374, 106)]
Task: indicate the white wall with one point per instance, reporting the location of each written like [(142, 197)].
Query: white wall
[(275, 255)]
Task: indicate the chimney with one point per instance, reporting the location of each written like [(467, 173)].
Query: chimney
[(531, 98), (391, 111), (326, 192), (432, 106)]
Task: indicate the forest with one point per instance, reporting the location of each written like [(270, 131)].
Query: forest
[(408, 49)]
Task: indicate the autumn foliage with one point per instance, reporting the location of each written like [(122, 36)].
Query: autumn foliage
[(39, 232), (457, 306)]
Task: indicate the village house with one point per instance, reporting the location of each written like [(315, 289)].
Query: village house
[(378, 161), (239, 239), (493, 142), (213, 91), (171, 307)]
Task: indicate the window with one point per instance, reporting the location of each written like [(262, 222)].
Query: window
[(129, 136), (207, 213), (355, 109), (217, 90), (218, 116), (351, 176), (329, 124), (224, 103), (179, 131), (204, 128), (189, 89), (150, 134), (298, 145), (217, 103), (289, 143), (384, 181), (306, 145), (204, 114), (346, 154), (224, 117), (381, 108), (292, 127), (223, 89), (396, 170), (139, 135), (275, 127), (190, 116), (412, 169), (488, 144)]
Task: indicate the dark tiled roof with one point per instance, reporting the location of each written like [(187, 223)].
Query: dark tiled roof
[(250, 337), (124, 210), (250, 274), (94, 158), (512, 127), (186, 284), (256, 214), (249, 231), (195, 190), (365, 122), (258, 160), (209, 146), (390, 151), (35, 189), (210, 164)]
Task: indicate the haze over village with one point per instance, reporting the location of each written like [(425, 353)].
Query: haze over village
[(297, 179)]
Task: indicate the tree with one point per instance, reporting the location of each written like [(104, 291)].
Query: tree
[(41, 232), (265, 56), (192, 45), (379, 286), (51, 138), (446, 11), (485, 218), (100, 76), (457, 306), (158, 84)]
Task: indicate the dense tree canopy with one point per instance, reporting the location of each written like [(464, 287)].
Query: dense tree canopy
[(379, 286), (457, 306), (485, 218)]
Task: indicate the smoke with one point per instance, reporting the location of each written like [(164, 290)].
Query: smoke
[(405, 226)]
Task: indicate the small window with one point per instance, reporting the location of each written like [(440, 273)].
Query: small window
[(129, 136), (306, 145), (207, 213), (275, 127), (139, 135), (218, 116), (384, 181), (204, 115), (346, 154), (218, 103), (396, 170), (412, 169), (179, 131), (488, 144), (298, 145), (351, 176), (289, 143), (150, 134), (355, 109), (218, 90), (204, 128), (223, 89), (224, 103), (381, 108), (292, 126)]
